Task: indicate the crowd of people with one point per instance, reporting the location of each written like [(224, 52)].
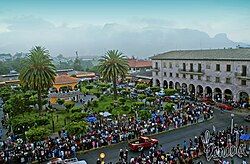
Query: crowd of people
[(102, 132), (187, 151)]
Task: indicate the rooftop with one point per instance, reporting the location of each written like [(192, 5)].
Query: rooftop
[(65, 79), (135, 63), (240, 54)]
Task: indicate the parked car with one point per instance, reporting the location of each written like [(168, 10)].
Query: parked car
[(224, 106), (143, 143), (208, 101), (247, 118)]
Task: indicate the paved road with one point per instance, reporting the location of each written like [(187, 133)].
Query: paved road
[(169, 139)]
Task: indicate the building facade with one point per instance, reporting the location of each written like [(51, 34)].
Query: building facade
[(220, 74)]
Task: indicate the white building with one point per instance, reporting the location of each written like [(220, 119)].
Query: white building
[(220, 74)]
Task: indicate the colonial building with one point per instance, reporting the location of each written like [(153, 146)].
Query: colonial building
[(220, 74)]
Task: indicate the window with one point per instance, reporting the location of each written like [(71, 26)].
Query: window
[(184, 66), (170, 65), (191, 67), (165, 73), (208, 78), (208, 66), (164, 65), (199, 77), (199, 67), (217, 67), (177, 75), (217, 79), (184, 75), (228, 80), (228, 68), (244, 70), (191, 76), (156, 65), (156, 73), (243, 82), (171, 75)]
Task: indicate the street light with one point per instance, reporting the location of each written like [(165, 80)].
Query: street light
[(232, 123), (102, 156)]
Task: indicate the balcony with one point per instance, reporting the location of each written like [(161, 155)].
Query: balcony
[(191, 72), (242, 76), (156, 69)]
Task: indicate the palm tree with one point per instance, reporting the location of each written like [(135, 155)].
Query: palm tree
[(113, 65), (38, 73)]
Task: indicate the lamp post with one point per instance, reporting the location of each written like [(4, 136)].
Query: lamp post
[(232, 123), (102, 156)]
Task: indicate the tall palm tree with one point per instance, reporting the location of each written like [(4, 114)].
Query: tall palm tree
[(113, 65), (38, 72)]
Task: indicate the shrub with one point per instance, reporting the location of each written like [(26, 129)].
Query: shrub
[(170, 92), (155, 89), (141, 86)]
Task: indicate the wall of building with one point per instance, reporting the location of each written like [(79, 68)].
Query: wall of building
[(163, 73)]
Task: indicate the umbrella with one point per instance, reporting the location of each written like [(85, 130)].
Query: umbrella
[(245, 137), (106, 114), (91, 119)]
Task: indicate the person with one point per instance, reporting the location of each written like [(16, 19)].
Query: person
[(98, 161), (244, 161)]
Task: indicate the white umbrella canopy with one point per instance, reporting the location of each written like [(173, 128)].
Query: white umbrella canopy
[(105, 114)]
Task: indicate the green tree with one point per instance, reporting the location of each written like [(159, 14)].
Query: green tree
[(37, 134), (77, 128), (112, 66), (141, 86), (38, 72), (170, 91), (141, 96), (150, 99), (77, 64)]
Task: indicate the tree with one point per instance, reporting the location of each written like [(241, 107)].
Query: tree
[(170, 91), (141, 86), (150, 99), (37, 134), (113, 65), (38, 72), (141, 96), (77, 63), (77, 128)]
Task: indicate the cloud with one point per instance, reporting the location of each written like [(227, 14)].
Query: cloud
[(141, 39)]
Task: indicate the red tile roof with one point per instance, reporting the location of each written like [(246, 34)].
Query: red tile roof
[(65, 79), (134, 63)]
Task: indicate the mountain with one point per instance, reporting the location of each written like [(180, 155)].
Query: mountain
[(92, 40)]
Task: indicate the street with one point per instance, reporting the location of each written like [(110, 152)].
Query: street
[(168, 139)]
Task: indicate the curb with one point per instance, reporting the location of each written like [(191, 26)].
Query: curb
[(150, 135)]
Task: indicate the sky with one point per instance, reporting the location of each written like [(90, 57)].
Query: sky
[(64, 26)]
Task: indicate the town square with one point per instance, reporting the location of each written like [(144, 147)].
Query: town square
[(106, 82)]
